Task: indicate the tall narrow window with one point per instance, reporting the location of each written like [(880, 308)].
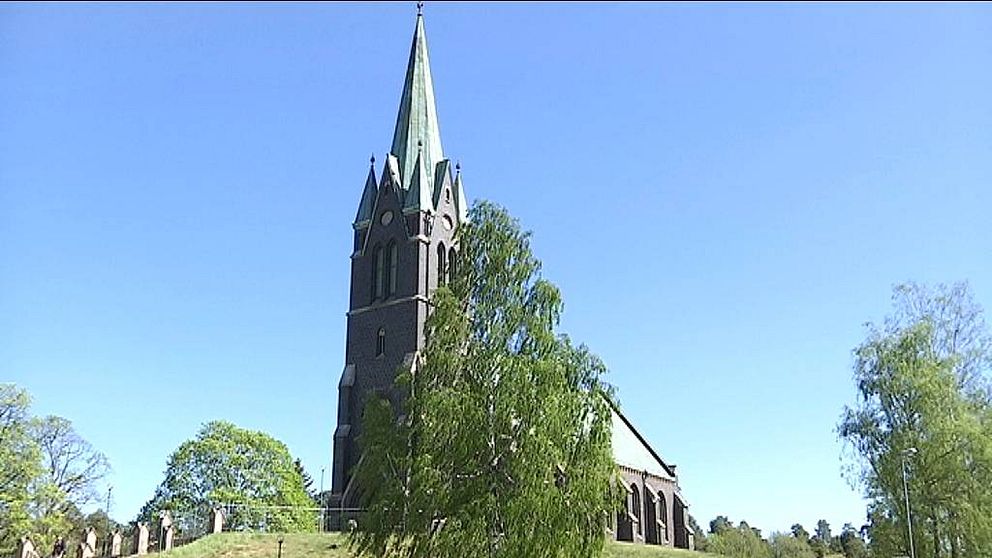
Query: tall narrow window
[(636, 504), (391, 283), (441, 268), (377, 270), (380, 343), (452, 264)]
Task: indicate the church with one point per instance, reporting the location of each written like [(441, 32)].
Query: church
[(403, 247)]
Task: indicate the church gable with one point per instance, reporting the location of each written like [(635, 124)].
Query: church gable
[(631, 450)]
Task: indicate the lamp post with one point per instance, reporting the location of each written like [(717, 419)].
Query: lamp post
[(320, 497), (908, 452)]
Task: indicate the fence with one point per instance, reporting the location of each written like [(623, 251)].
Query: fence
[(171, 530)]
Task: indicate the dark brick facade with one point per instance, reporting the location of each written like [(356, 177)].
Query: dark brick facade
[(401, 316)]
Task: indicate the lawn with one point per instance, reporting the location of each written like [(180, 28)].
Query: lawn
[(259, 545)]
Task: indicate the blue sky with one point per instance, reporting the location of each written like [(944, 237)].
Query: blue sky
[(724, 193)]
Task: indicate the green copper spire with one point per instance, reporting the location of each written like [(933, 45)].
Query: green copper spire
[(418, 194), (417, 119)]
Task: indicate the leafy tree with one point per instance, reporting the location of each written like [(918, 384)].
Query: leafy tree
[(789, 546), (720, 523), (307, 480), (922, 385), (72, 465), (502, 446), (823, 531), (247, 470), (47, 469), (744, 525), (852, 545), (21, 461), (819, 548), (799, 532), (738, 542)]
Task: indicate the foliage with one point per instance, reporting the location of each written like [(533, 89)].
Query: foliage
[(719, 524), (502, 447), (785, 545), (924, 407), (737, 542), (74, 468), (823, 531), (852, 545), (21, 460), (307, 481), (245, 469), (48, 471), (800, 532), (698, 534)]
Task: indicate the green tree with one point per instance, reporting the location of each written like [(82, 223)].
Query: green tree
[(738, 542), (307, 480), (852, 545), (502, 447), (785, 545), (21, 465), (247, 470), (47, 472), (720, 523), (800, 532), (823, 531), (72, 466), (924, 405)]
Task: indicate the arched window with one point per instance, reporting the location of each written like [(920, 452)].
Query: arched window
[(635, 502), (452, 262), (377, 278), (391, 273), (663, 517), (441, 268), (380, 343)]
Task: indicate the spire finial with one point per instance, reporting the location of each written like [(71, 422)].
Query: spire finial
[(420, 145), (372, 159), (420, 8), (458, 167)]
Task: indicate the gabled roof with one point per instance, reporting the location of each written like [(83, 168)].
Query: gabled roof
[(418, 196), (367, 205), (632, 450), (417, 119)]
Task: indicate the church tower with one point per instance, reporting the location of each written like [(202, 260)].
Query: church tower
[(403, 247)]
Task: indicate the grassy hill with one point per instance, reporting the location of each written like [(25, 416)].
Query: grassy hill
[(259, 545)]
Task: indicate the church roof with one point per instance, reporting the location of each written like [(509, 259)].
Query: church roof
[(367, 204), (417, 121), (418, 195), (632, 450)]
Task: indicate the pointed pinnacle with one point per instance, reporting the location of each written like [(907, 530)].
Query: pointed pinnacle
[(372, 160), (420, 8), (458, 167)]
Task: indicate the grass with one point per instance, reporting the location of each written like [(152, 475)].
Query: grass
[(334, 545)]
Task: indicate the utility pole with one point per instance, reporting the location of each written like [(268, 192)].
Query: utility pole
[(905, 490), (106, 541)]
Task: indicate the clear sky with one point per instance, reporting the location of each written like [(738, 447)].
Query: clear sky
[(724, 193)]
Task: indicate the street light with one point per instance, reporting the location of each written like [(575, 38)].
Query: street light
[(908, 452)]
